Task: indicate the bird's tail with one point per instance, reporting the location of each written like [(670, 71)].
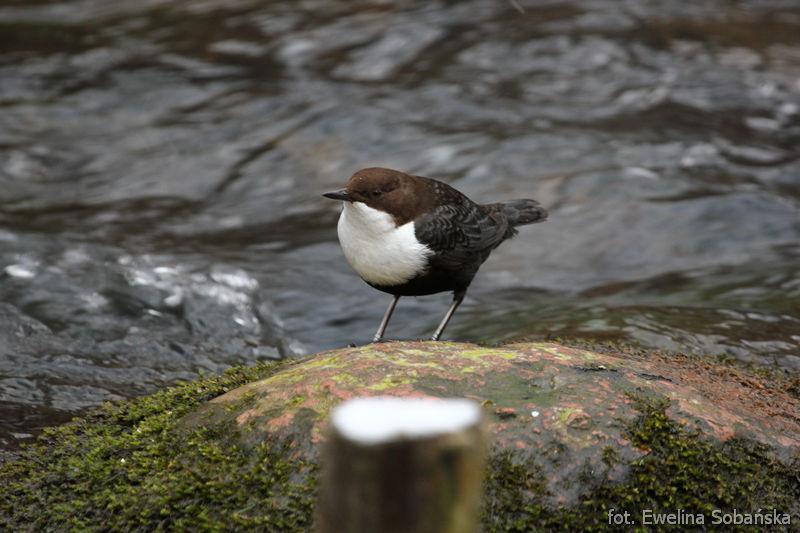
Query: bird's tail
[(520, 212)]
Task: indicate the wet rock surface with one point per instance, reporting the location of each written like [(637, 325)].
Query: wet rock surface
[(161, 164), (566, 410)]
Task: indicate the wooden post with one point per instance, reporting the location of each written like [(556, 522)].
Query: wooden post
[(402, 465)]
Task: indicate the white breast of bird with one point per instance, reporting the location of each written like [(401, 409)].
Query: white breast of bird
[(381, 252)]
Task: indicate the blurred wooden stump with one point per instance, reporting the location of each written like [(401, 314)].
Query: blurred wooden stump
[(402, 465)]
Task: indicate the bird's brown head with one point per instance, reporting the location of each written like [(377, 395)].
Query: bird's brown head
[(396, 193)]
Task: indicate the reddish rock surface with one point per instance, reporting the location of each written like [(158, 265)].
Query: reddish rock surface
[(564, 406)]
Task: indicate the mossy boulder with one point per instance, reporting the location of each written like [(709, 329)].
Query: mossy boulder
[(574, 433)]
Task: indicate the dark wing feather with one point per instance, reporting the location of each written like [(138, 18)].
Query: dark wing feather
[(461, 233)]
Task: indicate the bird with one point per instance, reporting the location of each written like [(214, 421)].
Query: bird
[(409, 235)]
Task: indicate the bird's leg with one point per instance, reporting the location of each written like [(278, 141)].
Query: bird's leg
[(457, 299), (385, 321)]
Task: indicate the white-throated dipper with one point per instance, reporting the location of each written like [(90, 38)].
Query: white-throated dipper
[(410, 236)]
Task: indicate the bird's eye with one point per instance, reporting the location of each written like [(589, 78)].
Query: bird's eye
[(376, 193)]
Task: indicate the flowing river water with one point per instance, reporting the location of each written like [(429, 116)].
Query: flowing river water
[(161, 165)]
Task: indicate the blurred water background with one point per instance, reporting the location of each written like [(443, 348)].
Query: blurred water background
[(161, 165)]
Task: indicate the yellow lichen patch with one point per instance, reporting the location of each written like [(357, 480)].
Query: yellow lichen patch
[(481, 354), (412, 362), (332, 361), (412, 351), (296, 400), (441, 346), (554, 349), (564, 413), (345, 379), (390, 382), (291, 375), (299, 370)]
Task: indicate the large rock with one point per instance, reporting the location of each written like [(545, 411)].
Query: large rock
[(575, 433), (565, 409)]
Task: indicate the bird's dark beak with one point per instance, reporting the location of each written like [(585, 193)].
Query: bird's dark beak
[(338, 195)]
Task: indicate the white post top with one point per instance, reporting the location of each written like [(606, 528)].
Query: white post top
[(380, 419)]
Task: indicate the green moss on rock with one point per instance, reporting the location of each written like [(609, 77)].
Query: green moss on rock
[(681, 470), (129, 466)]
